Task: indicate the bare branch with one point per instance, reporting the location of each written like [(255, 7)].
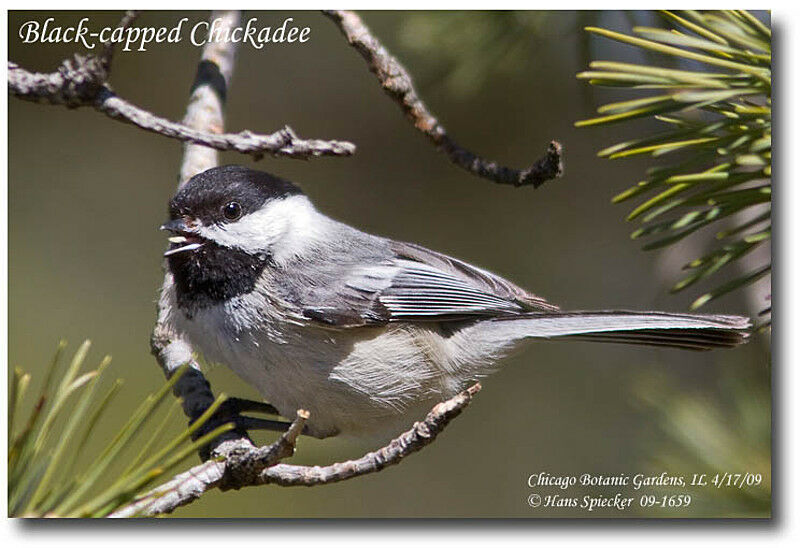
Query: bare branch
[(82, 81), (76, 83), (411, 441), (207, 99), (108, 47), (241, 465), (396, 82), (181, 490), (79, 82)]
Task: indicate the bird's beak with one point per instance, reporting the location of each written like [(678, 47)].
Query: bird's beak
[(183, 237), (175, 225)]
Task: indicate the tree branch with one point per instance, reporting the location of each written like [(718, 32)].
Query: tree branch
[(411, 441), (237, 465), (396, 82), (242, 466), (82, 81), (107, 54)]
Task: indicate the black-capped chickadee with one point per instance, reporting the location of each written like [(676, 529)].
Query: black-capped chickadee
[(358, 329)]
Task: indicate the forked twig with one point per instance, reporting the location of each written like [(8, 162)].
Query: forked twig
[(241, 465)]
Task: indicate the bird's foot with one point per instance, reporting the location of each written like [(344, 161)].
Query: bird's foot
[(231, 412)]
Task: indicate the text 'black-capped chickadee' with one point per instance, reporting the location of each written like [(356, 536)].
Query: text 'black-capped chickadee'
[(358, 329)]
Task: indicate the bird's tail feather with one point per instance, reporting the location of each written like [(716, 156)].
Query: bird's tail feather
[(688, 331)]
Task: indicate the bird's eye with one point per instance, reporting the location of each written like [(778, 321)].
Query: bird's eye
[(232, 211)]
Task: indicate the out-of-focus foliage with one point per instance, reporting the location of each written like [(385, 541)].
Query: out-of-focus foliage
[(44, 449), (717, 114), (469, 48), (701, 435)]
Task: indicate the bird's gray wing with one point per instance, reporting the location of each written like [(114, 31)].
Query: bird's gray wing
[(418, 285), (474, 276)]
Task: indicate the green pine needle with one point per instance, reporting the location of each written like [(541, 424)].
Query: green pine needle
[(45, 451), (715, 101)]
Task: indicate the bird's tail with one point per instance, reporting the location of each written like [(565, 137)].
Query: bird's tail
[(688, 331)]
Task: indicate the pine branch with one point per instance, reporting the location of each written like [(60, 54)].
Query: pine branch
[(718, 129)]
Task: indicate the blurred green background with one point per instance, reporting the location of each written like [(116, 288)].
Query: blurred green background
[(87, 194)]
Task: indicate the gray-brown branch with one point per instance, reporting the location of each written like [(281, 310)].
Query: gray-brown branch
[(107, 54), (242, 465), (411, 441), (82, 81), (236, 465), (396, 82)]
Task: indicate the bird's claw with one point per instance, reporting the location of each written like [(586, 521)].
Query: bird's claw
[(239, 405), (231, 412)]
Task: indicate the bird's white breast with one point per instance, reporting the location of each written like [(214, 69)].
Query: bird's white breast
[(352, 381)]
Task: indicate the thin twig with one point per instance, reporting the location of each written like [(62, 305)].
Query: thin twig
[(82, 81), (411, 441), (236, 466), (241, 466), (79, 82), (396, 82), (108, 47)]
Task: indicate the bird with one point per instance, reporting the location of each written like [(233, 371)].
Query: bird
[(360, 330)]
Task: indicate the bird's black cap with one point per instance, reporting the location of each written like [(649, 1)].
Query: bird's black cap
[(204, 196)]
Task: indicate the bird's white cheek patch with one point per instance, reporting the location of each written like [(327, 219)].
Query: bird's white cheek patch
[(275, 228)]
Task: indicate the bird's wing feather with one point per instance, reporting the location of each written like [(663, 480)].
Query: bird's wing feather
[(421, 292), (477, 277), (419, 285)]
